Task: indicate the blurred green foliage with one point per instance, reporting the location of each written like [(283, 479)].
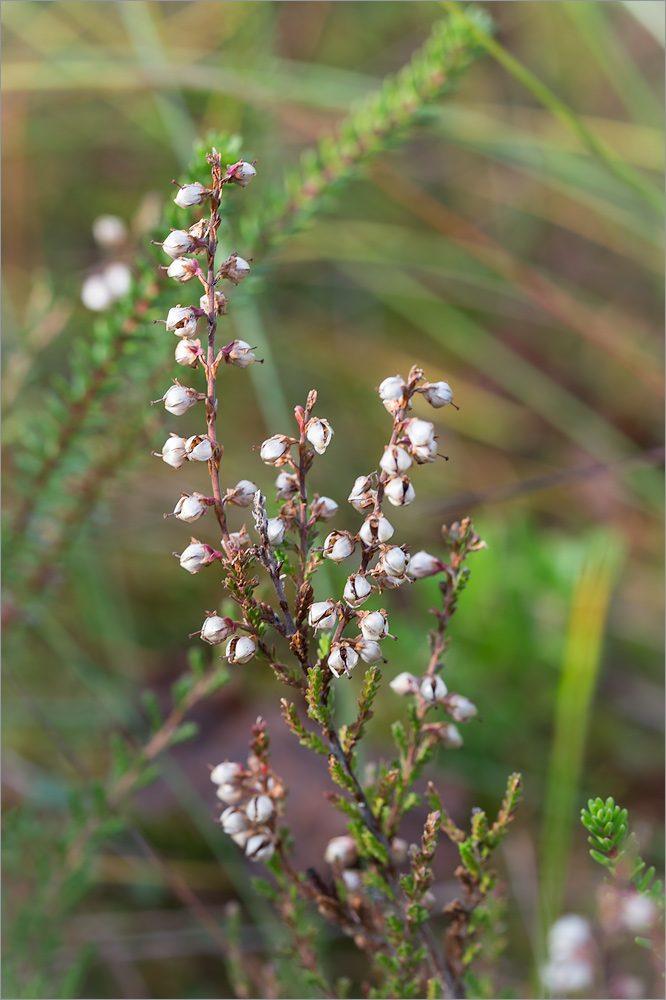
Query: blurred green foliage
[(492, 246)]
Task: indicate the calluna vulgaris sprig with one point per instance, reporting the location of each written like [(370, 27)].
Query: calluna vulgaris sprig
[(378, 890)]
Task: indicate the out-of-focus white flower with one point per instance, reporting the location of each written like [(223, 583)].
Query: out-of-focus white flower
[(323, 509), (395, 460), (399, 491), (404, 684), (273, 449), (191, 195), (338, 546), (173, 451), (260, 847), (225, 773), (376, 528), (374, 625), (342, 658), (422, 564), (178, 243), (341, 850), (229, 794), (352, 879), (199, 448), (183, 269), (118, 278), (109, 231), (460, 709), (323, 615), (362, 496), (101, 289), (190, 508), (399, 848), (259, 808), (637, 912), (276, 527), (433, 689), (369, 650), (243, 173), (215, 630), (319, 433), (182, 320), (234, 820), (450, 737), (392, 387), (357, 590), (242, 494), (568, 935), (188, 353), (195, 557), (241, 648), (437, 393)]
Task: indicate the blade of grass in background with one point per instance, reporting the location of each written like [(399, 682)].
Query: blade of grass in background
[(581, 665)]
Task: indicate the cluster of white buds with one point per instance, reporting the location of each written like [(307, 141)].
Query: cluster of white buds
[(432, 691), (251, 807)]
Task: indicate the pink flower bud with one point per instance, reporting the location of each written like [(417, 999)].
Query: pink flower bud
[(242, 494), (437, 393), (433, 689), (357, 590), (395, 460), (323, 509), (319, 433), (199, 448), (341, 850), (404, 684), (182, 320), (323, 615), (274, 449), (342, 658), (243, 173), (215, 630), (241, 648), (460, 709), (191, 195), (392, 387), (183, 269), (225, 773), (195, 557), (259, 808), (260, 847), (190, 508), (188, 353), (173, 451), (234, 820), (178, 243), (374, 625), (399, 491), (376, 528), (338, 546)]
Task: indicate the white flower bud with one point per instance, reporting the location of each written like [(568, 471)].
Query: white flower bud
[(243, 174), (341, 849), (260, 847), (638, 912), (342, 658), (368, 650), (394, 561), (338, 546), (241, 648), (242, 494), (451, 738), (460, 709), (323, 509), (433, 689), (276, 527), (183, 269), (235, 268), (190, 508), (195, 557), (173, 451), (241, 838), (395, 460), (352, 879), (404, 684), (224, 774), (422, 564), (234, 820), (399, 491), (357, 590), (437, 393), (182, 320), (273, 449), (220, 304), (259, 808), (229, 794), (319, 433), (425, 453), (420, 432), (95, 293), (362, 496), (286, 485), (199, 448), (216, 629), (323, 615), (178, 399), (241, 354), (374, 625), (109, 230), (392, 387), (188, 353), (178, 243), (399, 848), (191, 195), (376, 528)]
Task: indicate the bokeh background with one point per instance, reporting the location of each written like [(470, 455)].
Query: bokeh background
[(494, 245)]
